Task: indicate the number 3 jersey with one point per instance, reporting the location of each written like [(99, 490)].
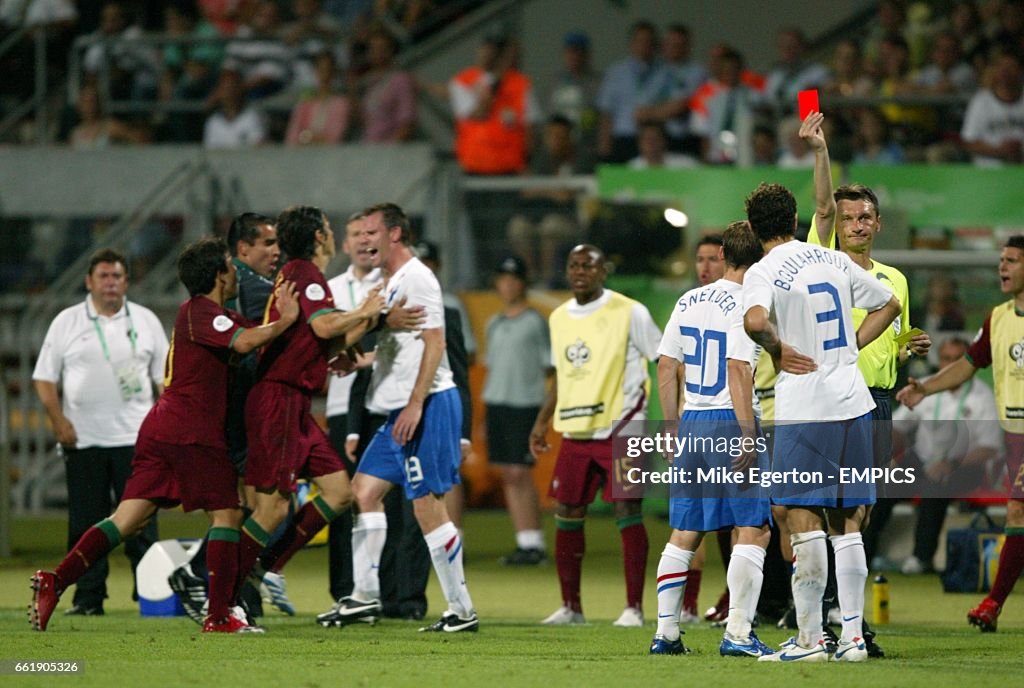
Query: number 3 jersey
[(706, 329), (809, 292)]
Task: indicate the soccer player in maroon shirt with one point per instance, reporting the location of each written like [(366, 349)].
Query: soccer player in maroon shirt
[(287, 443), (181, 456)]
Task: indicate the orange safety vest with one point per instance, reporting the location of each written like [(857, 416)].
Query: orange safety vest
[(497, 144)]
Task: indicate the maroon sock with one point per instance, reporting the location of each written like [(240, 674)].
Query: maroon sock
[(691, 591), (252, 540), (1011, 563), (222, 562), (90, 548), (634, 559), (570, 545), (306, 523)]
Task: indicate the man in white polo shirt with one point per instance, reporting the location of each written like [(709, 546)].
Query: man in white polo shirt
[(107, 354)]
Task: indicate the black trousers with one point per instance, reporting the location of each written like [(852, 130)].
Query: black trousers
[(405, 562), (95, 480)]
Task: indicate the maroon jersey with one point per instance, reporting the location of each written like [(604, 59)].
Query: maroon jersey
[(298, 358), (193, 406)]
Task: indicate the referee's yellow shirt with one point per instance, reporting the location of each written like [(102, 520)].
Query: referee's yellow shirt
[(879, 360)]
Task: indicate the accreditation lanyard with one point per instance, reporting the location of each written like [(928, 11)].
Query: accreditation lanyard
[(132, 334), (960, 402)]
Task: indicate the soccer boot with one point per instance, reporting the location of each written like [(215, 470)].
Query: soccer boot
[(333, 617), (83, 610), (663, 646), (229, 624), (853, 651), (796, 653), (450, 622), (753, 647), (874, 650), (524, 557), (274, 591), (190, 590), (631, 617), (830, 638), (564, 616), (351, 610), (985, 615), (45, 595)]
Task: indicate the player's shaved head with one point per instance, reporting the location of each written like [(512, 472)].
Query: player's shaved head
[(596, 253), (586, 272)]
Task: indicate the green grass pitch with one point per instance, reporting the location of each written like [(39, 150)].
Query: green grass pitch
[(928, 643)]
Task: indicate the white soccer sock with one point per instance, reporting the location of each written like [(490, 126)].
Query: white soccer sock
[(445, 547), (810, 571), (851, 575), (745, 575), (672, 570), (369, 533), (530, 539)]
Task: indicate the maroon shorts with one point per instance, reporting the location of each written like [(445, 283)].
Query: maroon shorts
[(192, 475), (1015, 463), (285, 442), (584, 466)]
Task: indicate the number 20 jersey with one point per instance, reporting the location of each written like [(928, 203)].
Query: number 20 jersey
[(809, 291)]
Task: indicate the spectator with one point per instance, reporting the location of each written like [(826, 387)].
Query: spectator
[(685, 77), (388, 99), (545, 223), (793, 73), (848, 77), (190, 68), (133, 69), (574, 95), (261, 56), (965, 23), (312, 33), (949, 437), (721, 111), (946, 72), (912, 122), (891, 21), (234, 125), (766, 145), (638, 80), (95, 130), (873, 144), (796, 154), (942, 311), (226, 15), (323, 116), (654, 153), (993, 129), (1009, 34), (494, 108)]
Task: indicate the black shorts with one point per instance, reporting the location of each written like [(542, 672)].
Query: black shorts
[(508, 434), (881, 431)]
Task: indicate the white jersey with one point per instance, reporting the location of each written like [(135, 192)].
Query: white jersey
[(706, 329), (809, 292), (397, 362), (349, 291)]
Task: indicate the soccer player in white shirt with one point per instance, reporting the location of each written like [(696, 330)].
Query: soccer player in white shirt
[(418, 446), (798, 300), (704, 339)]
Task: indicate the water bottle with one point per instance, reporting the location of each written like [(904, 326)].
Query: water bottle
[(880, 593)]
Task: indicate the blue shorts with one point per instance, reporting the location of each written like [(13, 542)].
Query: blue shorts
[(704, 506), (429, 463), (840, 453)]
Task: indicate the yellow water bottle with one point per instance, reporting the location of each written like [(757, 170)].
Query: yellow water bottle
[(880, 593)]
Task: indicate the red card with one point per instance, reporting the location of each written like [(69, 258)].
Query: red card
[(807, 102)]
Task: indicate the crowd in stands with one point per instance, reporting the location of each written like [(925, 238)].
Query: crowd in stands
[(307, 72)]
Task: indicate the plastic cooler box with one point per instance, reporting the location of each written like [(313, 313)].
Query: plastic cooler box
[(155, 595)]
